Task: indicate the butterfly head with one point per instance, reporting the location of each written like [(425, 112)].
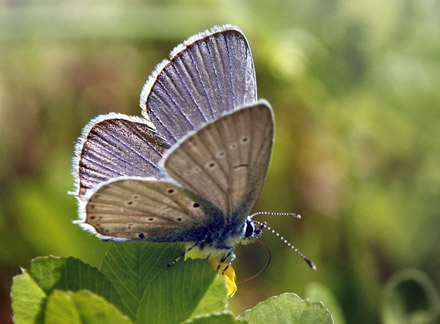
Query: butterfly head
[(252, 230)]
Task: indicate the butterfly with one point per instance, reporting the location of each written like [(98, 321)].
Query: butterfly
[(192, 168)]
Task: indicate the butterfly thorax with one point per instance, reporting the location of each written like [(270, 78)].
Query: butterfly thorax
[(227, 235), (224, 235)]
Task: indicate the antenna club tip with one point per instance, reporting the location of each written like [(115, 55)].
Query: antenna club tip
[(311, 264)]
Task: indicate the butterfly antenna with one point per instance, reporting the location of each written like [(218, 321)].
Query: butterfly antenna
[(262, 270), (298, 216), (309, 262)]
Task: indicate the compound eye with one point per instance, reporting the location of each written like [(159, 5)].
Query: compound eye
[(249, 230)]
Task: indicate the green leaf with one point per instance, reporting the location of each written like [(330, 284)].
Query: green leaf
[(214, 299), (27, 300), (67, 273), (289, 309), (61, 309), (83, 307), (410, 297), (219, 318), (319, 293), (176, 293), (130, 267)]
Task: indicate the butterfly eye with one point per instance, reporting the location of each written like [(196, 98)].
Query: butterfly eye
[(249, 231)]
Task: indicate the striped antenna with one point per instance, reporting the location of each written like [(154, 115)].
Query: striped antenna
[(309, 262), (298, 216)]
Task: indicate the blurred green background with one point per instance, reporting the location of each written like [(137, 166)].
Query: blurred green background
[(355, 86)]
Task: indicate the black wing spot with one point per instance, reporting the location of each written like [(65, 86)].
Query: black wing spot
[(221, 154), (233, 146), (244, 139), (187, 173), (170, 191), (92, 217), (135, 196), (179, 219), (196, 205), (141, 236), (196, 169), (129, 203), (211, 165), (151, 219)]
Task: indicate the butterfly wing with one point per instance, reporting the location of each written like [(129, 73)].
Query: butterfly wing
[(209, 74), (116, 145), (132, 208), (226, 161), (221, 168)]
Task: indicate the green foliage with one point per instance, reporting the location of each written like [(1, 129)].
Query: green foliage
[(176, 293), (410, 298), (319, 293), (70, 274), (220, 318), (288, 308), (28, 300), (131, 268), (32, 288), (354, 87), (82, 307), (134, 285)]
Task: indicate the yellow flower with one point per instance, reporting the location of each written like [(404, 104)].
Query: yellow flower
[(229, 275)]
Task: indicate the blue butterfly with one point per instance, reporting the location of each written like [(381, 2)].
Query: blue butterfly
[(193, 167)]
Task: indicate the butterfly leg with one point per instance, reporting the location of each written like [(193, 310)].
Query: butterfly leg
[(231, 254), (184, 253)]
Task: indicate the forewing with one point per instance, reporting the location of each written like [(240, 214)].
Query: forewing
[(226, 161), (116, 145), (209, 74), (160, 211)]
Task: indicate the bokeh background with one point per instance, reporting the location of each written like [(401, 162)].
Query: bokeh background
[(355, 86)]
